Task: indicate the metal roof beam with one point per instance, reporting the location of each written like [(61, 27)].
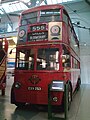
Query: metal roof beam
[(5, 1), (45, 1), (11, 24), (87, 1)]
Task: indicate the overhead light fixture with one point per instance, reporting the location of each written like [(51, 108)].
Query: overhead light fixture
[(75, 45), (37, 1), (85, 44), (58, 1)]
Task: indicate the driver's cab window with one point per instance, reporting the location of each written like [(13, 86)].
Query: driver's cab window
[(48, 59), (21, 59), (25, 59), (66, 58)]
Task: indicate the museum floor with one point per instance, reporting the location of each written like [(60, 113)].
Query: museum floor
[(80, 108)]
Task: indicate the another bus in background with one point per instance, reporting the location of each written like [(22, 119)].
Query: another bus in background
[(3, 63)]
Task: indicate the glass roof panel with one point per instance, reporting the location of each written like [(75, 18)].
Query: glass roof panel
[(12, 7), (19, 5), (26, 1), (59, 1)]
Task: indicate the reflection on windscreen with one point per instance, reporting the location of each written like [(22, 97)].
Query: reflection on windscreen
[(50, 15), (29, 18), (48, 59), (25, 60)]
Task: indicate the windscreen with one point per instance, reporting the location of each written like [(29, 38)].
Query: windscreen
[(50, 15), (29, 18), (40, 16), (43, 58), (25, 59), (48, 59)]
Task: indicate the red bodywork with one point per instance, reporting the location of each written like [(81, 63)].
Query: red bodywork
[(37, 96)]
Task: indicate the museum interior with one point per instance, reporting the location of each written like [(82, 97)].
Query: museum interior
[(30, 92)]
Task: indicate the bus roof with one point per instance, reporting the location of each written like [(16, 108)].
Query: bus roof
[(43, 7), (46, 7)]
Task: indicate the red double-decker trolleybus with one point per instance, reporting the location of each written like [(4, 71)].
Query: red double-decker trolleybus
[(47, 51)]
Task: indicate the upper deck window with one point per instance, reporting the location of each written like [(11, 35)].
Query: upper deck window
[(29, 18), (50, 15), (44, 16), (65, 17)]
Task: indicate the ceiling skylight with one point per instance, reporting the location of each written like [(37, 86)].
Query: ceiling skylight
[(19, 5), (59, 1), (12, 7)]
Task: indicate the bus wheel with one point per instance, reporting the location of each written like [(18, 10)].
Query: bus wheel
[(78, 84), (13, 101), (69, 96), (19, 104), (3, 92)]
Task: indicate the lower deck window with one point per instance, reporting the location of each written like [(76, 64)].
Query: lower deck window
[(41, 59), (25, 60), (48, 59)]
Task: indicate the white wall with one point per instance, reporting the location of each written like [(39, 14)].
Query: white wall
[(85, 69), (82, 15)]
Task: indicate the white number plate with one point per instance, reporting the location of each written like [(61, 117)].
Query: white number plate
[(34, 88)]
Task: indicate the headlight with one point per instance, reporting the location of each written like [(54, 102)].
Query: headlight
[(55, 99), (57, 85), (17, 85), (21, 33)]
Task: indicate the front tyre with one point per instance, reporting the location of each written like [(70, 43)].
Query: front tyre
[(13, 101), (69, 96), (19, 104), (78, 84)]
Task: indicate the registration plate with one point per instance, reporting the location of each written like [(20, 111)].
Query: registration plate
[(34, 88)]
